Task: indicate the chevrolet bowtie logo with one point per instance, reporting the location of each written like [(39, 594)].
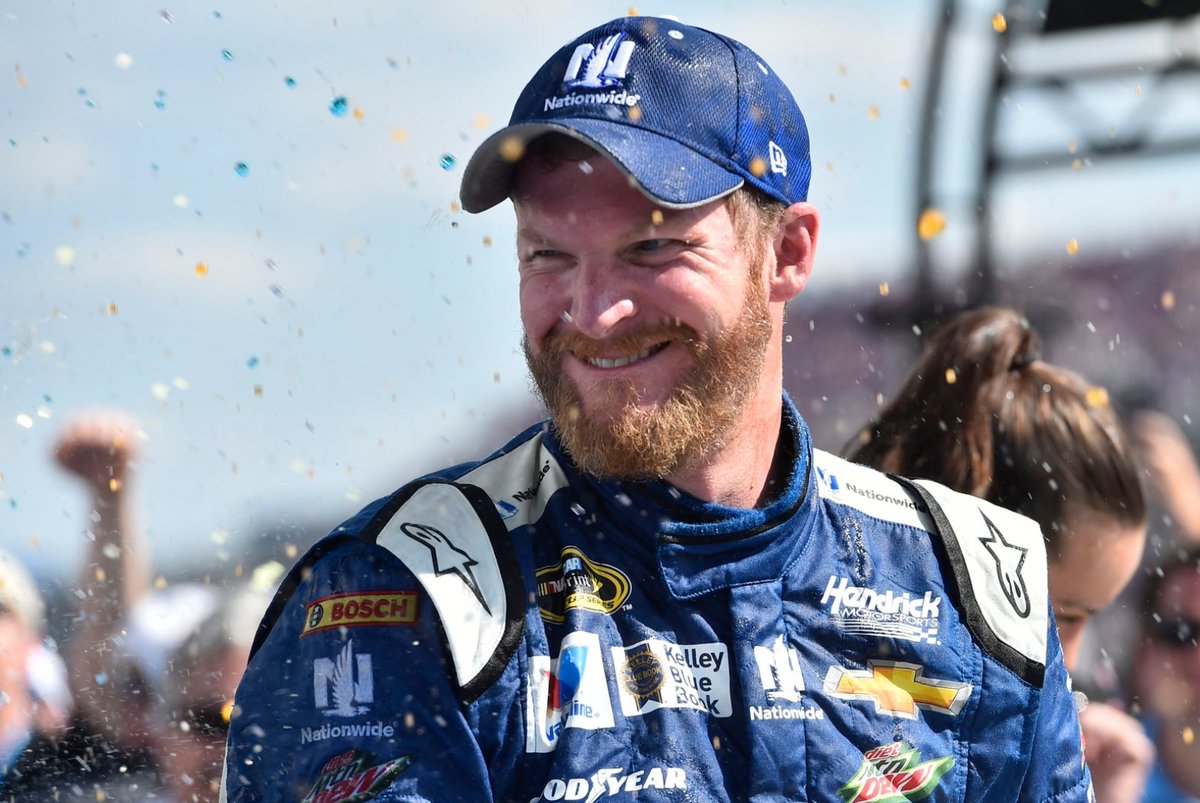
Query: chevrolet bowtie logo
[(897, 688)]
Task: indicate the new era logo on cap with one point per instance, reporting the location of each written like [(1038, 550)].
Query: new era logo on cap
[(688, 114)]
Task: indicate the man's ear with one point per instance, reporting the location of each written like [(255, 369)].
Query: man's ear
[(795, 249)]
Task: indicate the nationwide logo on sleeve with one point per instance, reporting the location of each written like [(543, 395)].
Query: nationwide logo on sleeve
[(569, 692), (344, 686), (897, 688), (381, 609), (865, 611), (894, 773), (352, 777), (576, 582), (659, 674), (783, 682)]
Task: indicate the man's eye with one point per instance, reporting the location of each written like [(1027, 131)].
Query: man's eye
[(650, 246)]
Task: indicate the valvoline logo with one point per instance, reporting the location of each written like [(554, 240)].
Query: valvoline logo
[(566, 680), (569, 691)]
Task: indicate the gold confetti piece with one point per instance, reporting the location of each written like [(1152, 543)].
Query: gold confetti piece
[(101, 796), (237, 570), (905, 84), (454, 207), (1072, 247), (951, 376), (100, 575), (999, 23), (884, 289), (258, 390), (358, 115), (931, 223), (482, 122), (656, 217), (1077, 165), (398, 136), (1168, 299), (201, 268), (227, 711), (632, 12), (114, 484), (160, 582), (1097, 397), (1188, 735), (512, 149), (291, 551), (758, 167), (873, 112), (112, 308), (842, 69), (487, 241), (635, 114), (64, 255)]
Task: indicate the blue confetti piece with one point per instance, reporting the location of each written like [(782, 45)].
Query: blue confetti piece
[(252, 362), (242, 169), (227, 55), (216, 15), (338, 106), (101, 679), (447, 161), (290, 82), (6, 351)]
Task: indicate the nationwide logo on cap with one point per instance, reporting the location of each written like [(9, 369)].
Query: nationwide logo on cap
[(894, 772), (897, 688), (603, 66)]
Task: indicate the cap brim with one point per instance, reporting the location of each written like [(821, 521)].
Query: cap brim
[(665, 171)]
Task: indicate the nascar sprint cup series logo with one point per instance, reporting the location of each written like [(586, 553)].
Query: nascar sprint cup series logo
[(576, 582), (868, 612)]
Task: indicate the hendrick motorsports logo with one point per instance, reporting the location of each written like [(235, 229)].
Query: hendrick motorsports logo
[(894, 773), (350, 777), (869, 612), (576, 582)]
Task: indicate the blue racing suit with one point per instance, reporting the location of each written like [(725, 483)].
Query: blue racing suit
[(515, 630)]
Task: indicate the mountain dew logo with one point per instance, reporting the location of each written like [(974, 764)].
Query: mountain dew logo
[(894, 773)]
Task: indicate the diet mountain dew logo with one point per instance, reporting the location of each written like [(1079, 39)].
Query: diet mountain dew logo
[(894, 773)]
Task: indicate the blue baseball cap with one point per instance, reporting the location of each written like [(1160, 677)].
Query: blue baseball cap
[(688, 114)]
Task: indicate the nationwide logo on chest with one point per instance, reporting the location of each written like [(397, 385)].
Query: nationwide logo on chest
[(568, 692), (351, 777), (869, 612), (897, 688), (576, 582), (660, 674), (894, 773)]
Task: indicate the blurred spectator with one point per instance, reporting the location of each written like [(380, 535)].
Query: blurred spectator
[(1172, 471), (982, 413), (154, 671), (1167, 677)]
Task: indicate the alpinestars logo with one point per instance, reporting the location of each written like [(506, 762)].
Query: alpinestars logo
[(602, 67), (1009, 559), (447, 558), (894, 773), (344, 686)]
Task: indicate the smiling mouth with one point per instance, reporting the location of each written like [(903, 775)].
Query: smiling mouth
[(621, 362)]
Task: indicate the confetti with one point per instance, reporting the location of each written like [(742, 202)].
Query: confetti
[(656, 217), (512, 149), (951, 376), (160, 391), (1097, 397), (114, 485), (999, 23), (180, 200), (635, 114), (64, 255), (931, 223), (873, 112), (227, 55), (160, 100), (160, 582), (1188, 735), (884, 289), (242, 169), (758, 167), (399, 136), (1072, 247), (258, 390), (1168, 300), (289, 82), (359, 114), (112, 308), (487, 241), (24, 421), (447, 162), (338, 106), (123, 61), (201, 269), (905, 84)]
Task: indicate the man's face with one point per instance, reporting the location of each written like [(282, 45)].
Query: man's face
[(644, 332), (1169, 659)]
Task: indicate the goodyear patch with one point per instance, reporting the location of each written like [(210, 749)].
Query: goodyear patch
[(358, 609)]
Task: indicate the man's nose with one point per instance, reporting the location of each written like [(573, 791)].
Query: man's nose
[(600, 299)]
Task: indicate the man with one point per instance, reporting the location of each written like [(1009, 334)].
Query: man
[(663, 593)]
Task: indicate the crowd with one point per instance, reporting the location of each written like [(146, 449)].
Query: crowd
[(673, 520)]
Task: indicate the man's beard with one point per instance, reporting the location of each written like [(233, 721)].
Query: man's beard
[(651, 443)]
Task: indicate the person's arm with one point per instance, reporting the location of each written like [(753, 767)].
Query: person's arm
[(100, 449), (1118, 753)]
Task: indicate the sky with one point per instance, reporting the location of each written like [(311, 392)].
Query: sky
[(238, 224)]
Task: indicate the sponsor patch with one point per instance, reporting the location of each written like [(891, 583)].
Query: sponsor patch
[(865, 611), (660, 674), (782, 682), (894, 773), (352, 776), (576, 582), (378, 730), (344, 686), (570, 691), (897, 688), (380, 609), (610, 782)]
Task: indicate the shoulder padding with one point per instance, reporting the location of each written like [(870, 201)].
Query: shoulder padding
[(451, 538), (998, 559)]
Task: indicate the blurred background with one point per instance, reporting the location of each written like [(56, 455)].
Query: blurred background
[(238, 224)]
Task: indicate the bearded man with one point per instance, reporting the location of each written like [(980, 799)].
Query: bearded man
[(664, 592)]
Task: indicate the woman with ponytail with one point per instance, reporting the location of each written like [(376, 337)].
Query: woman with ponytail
[(982, 413)]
